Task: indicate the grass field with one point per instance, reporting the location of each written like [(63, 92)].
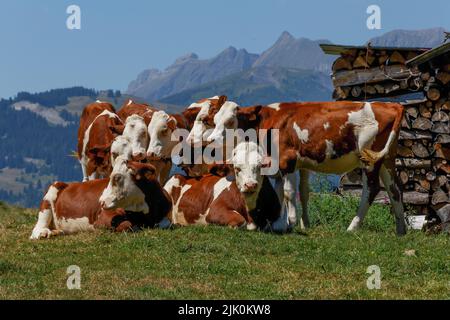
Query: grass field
[(325, 262)]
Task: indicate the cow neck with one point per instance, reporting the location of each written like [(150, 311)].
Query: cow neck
[(267, 205), (157, 201)]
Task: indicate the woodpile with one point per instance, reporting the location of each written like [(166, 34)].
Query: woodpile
[(423, 154)]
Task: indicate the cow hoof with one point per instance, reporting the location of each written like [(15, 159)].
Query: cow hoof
[(251, 226), (41, 233)]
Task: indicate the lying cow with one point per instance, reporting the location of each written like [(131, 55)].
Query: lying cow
[(330, 137), (97, 130), (84, 206), (246, 200)]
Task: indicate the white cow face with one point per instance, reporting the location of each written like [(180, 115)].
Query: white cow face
[(122, 190), (198, 132), (136, 131), (248, 159), (226, 118), (160, 131), (120, 146)]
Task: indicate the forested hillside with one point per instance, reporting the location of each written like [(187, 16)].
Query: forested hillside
[(33, 151)]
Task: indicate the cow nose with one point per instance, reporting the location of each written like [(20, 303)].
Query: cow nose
[(250, 186)]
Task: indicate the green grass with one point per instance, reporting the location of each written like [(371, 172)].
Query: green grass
[(324, 262)]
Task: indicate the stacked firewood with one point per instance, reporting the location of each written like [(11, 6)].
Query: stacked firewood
[(424, 152), (360, 74)]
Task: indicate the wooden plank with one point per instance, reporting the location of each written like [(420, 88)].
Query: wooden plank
[(417, 198), (373, 75)]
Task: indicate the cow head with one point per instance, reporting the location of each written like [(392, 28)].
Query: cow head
[(248, 159), (99, 155), (205, 118), (123, 189), (120, 146), (225, 118), (160, 132), (136, 131)]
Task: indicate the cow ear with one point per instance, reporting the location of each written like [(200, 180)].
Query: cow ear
[(248, 114), (172, 123), (117, 128), (222, 100)]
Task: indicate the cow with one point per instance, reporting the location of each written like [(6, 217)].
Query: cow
[(246, 200), (69, 208), (98, 127), (131, 107), (135, 187), (330, 137)]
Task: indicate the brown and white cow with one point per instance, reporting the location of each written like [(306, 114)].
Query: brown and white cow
[(84, 206), (98, 127), (330, 137), (245, 200), (131, 107)]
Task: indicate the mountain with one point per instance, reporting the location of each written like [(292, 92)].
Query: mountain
[(426, 38), (262, 85), (302, 53), (189, 71)]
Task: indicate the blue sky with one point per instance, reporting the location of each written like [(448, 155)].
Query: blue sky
[(118, 39)]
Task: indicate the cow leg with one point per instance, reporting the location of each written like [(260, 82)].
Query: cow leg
[(290, 197), (304, 197), (84, 170), (371, 187), (282, 223), (390, 181), (226, 217), (43, 227)]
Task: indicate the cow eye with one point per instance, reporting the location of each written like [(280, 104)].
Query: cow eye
[(117, 179)]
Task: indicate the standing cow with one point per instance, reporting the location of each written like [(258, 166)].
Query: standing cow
[(330, 137), (98, 127)]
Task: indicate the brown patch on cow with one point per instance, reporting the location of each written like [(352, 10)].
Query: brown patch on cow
[(141, 109)]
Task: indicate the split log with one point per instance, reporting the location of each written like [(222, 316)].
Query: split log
[(391, 88), (439, 182), (439, 196), (441, 127), (424, 111), (412, 111), (379, 88), (420, 151), (443, 138), (441, 165), (430, 176), (356, 91), (414, 135), (405, 152), (422, 124), (441, 151), (440, 116), (403, 176), (443, 77), (425, 76), (342, 63), (360, 62), (369, 89), (408, 143), (433, 94), (396, 57), (417, 198)]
